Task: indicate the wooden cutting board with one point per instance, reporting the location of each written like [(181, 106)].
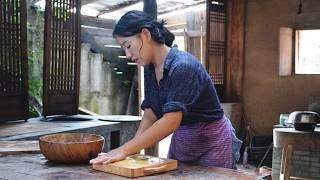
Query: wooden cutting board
[(138, 165), (16, 147)]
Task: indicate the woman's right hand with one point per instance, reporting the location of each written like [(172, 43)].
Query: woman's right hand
[(112, 156)]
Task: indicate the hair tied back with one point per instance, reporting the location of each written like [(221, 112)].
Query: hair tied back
[(161, 24)]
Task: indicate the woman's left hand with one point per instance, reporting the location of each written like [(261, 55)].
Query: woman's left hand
[(112, 156)]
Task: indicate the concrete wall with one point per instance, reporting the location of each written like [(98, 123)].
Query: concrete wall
[(102, 91), (265, 93)]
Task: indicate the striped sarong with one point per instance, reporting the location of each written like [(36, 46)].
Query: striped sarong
[(204, 143)]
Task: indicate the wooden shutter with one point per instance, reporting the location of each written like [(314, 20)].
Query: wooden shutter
[(13, 61), (62, 57), (216, 44)]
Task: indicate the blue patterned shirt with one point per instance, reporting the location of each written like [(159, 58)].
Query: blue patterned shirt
[(186, 86)]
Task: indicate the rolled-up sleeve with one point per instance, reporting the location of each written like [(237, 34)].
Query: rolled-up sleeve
[(184, 89), (175, 106), (145, 105)]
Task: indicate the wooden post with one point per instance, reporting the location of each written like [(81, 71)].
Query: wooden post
[(235, 50), (150, 7), (195, 32)]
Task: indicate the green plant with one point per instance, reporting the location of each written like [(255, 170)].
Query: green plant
[(33, 112), (12, 9), (35, 87), (35, 58), (60, 11)]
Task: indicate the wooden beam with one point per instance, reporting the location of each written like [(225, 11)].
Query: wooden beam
[(96, 31), (87, 112), (180, 8), (121, 5), (84, 2), (108, 55), (97, 22)]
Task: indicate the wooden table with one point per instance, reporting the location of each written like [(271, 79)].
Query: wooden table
[(18, 147), (36, 167)]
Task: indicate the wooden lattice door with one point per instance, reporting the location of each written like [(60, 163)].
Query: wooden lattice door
[(62, 57), (216, 44), (13, 61)]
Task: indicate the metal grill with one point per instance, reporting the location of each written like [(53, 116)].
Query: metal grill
[(13, 60), (62, 60)]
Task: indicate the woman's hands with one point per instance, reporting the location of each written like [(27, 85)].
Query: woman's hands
[(112, 156), (146, 137)]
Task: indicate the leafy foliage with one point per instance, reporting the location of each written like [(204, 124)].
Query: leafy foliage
[(35, 56)]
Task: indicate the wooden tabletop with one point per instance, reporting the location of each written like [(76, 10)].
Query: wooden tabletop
[(17, 147), (36, 167)]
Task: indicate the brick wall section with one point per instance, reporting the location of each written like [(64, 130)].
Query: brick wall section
[(304, 164)]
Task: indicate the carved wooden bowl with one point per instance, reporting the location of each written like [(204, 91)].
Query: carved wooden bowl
[(71, 147)]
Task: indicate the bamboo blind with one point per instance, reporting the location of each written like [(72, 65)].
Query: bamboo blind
[(62, 60), (216, 43), (13, 60)]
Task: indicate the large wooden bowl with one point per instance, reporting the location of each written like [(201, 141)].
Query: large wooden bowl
[(71, 147)]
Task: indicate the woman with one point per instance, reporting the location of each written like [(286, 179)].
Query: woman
[(179, 97)]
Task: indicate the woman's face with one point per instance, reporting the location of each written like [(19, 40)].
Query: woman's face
[(136, 48)]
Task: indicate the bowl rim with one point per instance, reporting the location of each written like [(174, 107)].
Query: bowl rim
[(42, 138)]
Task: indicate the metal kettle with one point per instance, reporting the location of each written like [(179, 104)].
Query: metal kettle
[(304, 120)]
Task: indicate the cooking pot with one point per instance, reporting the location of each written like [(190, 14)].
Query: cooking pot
[(304, 120)]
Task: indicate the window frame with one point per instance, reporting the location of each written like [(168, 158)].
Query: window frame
[(295, 48)]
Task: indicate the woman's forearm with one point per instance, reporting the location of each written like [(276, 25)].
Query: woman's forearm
[(156, 132), (147, 120)]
